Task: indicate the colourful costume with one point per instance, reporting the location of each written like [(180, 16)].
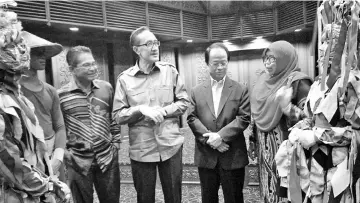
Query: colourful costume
[(320, 161), (22, 144)]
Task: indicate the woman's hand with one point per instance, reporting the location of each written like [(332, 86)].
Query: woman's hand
[(283, 96)]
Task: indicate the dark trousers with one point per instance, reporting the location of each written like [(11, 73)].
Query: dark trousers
[(170, 172), (232, 182), (107, 184)]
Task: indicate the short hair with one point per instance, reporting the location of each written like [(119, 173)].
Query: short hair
[(214, 46), (71, 56), (135, 33)]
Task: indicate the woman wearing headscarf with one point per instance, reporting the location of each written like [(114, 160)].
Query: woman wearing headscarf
[(276, 104)]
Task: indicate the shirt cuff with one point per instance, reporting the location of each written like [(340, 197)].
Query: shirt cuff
[(58, 154)]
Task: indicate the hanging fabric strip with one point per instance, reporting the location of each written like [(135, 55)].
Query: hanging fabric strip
[(327, 14), (352, 43), (294, 179), (326, 61), (339, 48), (314, 35)]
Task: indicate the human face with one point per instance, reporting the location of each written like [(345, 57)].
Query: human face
[(37, 59), (218, 63), (270, 62), (148, 54), (86, 68)]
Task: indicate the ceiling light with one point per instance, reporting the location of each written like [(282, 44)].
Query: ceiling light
[(225, 40), (74, 29), (189, 40), (259, 37), (298, 30)]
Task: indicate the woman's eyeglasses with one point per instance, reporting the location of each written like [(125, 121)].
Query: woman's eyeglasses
[(269, 59)]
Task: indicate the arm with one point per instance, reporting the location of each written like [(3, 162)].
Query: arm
[(295, 111), (59, 128), (194, 122), (122, 112), (115, 129), (240, 123), (181, 100)]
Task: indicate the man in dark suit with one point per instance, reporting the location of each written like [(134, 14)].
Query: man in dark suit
[(220, 112)]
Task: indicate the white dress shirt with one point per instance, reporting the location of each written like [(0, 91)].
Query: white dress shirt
[(217, 88)]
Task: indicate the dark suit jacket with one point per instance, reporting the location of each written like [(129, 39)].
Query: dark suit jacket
[(233, 119)]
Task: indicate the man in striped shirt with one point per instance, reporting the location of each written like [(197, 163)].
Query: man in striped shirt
[(92, 145)]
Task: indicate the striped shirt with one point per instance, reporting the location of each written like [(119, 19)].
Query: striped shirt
[(87, 119)]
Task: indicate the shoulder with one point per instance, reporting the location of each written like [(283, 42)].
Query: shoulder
[(102, 84), (199, 87), (49, 88), (126, 73), (64, 89), (238, 85), (162, 64)]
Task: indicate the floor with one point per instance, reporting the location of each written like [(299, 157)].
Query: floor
[(190, 193)]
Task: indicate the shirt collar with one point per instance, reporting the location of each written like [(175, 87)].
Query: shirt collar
[(221, 82), (136, 69), (73, 86)]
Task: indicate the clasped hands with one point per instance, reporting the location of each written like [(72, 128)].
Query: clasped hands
[(155, 113), (215, 141)]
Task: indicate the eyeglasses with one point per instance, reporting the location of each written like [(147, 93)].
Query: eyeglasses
[(219, 64), (87, 66), (269, 59), (150, 44)]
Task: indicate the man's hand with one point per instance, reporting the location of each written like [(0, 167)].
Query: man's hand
[(223, 147), (55, 164), (214, 139), (154, 113)]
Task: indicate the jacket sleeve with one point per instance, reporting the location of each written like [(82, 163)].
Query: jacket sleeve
[(194, 122), (241, 122)]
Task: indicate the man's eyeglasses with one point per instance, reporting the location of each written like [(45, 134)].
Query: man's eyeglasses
[(219, 64), (269, 59), (87, 66), (150, 44)]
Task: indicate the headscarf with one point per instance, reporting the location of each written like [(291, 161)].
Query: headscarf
[(265, 109)]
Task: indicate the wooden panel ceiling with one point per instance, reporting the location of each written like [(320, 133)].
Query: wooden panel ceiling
[(176, 19)]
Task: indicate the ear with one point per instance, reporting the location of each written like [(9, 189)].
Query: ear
[(136, 49)]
